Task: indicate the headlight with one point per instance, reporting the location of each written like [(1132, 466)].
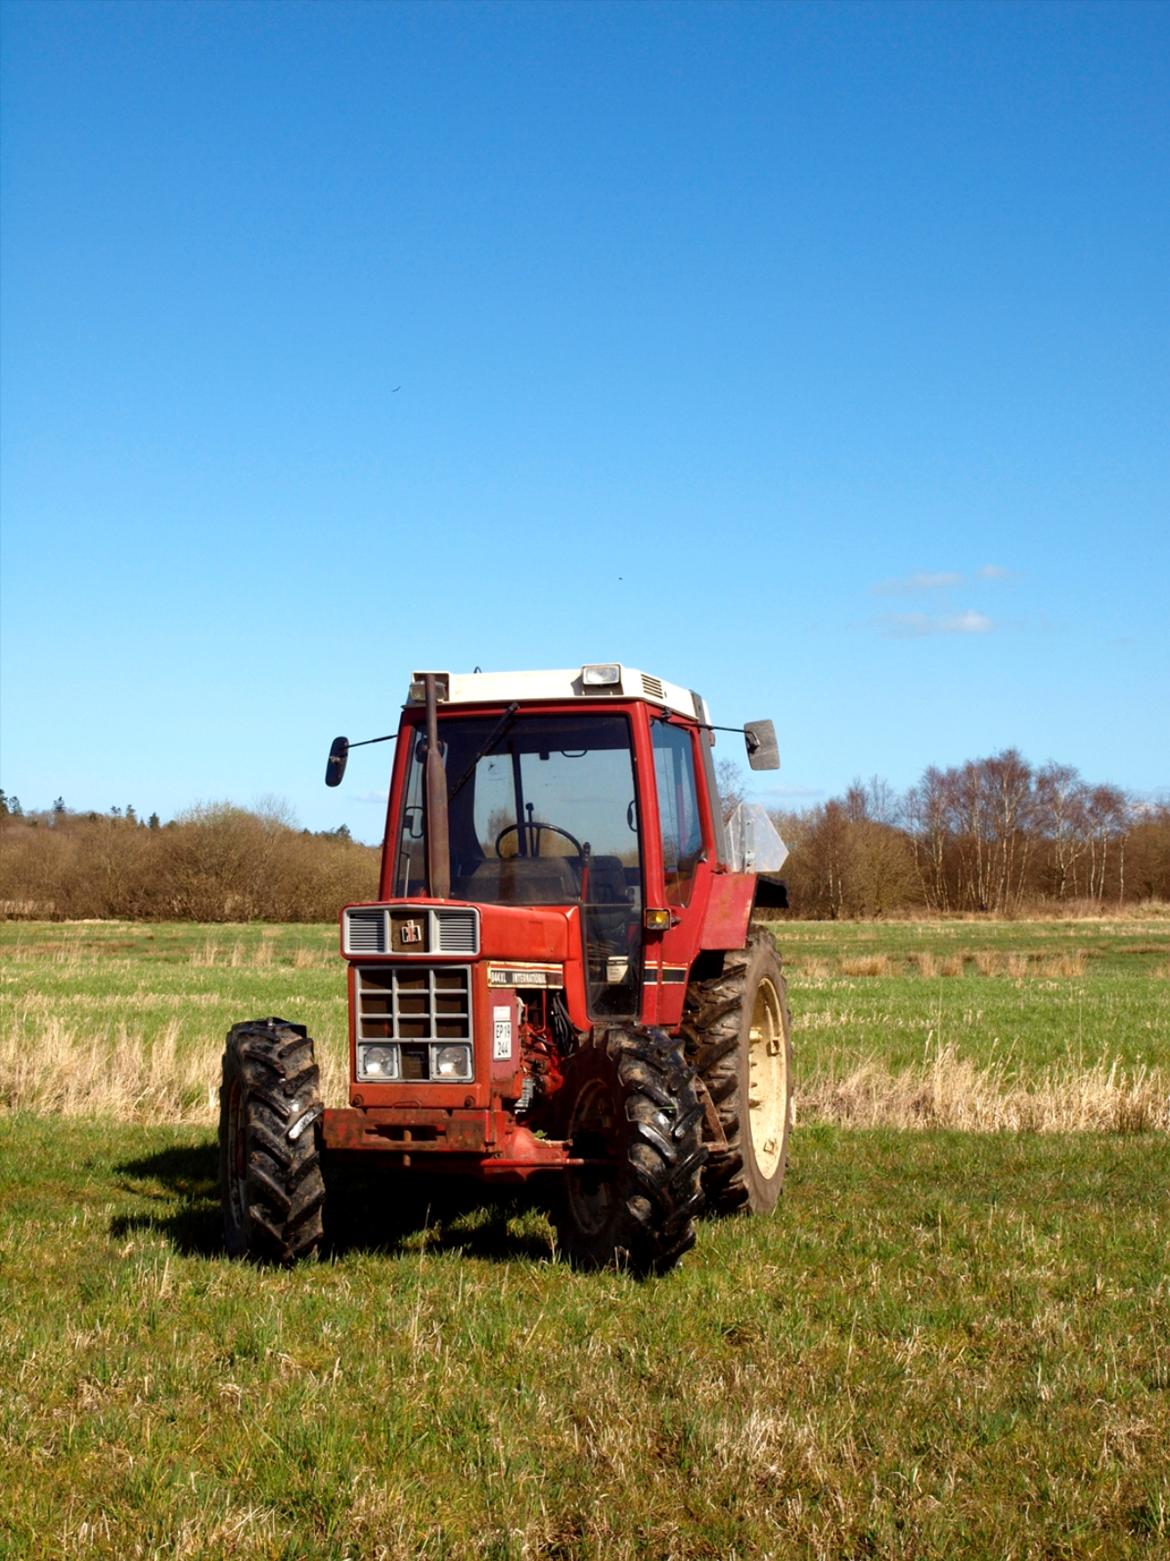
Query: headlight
[(451, 1062), (378, 1062), (609, 676)]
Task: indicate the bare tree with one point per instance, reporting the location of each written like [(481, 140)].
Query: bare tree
[(875, 801), (930, 815), (732, 786), (1062, 820), (1108, 819), (1008, 778)]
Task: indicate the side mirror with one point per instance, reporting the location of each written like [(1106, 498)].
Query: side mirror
[(335, 768), (762, 750)]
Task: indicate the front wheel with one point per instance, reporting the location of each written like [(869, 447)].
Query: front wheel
[(269, 1156), (634, 1115), (739, 1036)]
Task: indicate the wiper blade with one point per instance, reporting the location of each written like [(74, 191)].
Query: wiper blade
[(493, 737)]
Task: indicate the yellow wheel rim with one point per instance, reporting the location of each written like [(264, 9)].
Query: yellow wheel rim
[(767, 1080)]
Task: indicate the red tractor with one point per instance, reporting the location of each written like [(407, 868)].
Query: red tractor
[(559, 978)]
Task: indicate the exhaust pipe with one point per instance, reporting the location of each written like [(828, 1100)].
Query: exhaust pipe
[(438, 833)]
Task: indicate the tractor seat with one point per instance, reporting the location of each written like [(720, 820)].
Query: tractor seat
[(607, 881), (521, 880)]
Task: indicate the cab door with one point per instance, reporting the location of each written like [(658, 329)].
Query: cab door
[(686, 858)]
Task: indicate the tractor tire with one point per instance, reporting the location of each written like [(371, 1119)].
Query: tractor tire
[(632, 1104), (738, 1032), (269, 1150)]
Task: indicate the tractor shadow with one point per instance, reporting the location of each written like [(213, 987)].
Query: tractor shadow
[(371, 1212), (365, 1211), (181, 1187)]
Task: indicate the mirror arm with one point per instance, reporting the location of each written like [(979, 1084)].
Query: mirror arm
[(366, 741)]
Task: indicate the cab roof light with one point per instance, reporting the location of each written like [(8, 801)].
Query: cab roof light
[(417, 692), (608, 676)]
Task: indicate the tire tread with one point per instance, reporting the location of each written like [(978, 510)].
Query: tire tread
[(712, 1028), (659, 1183), (271, 1062)]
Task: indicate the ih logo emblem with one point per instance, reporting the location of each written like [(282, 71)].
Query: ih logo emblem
[(412, 932)]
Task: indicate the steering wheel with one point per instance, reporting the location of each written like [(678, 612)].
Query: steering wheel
[(555, 829)]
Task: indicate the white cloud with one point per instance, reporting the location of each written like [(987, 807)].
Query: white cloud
[(921, 580), (969, 622), (914, 625), (939, 580)]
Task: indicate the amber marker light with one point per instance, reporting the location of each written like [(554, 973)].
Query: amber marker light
[(655, 921)]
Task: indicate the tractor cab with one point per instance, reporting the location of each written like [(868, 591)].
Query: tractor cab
[(584, 795)]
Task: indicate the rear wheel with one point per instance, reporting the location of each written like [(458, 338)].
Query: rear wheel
[(738, 1028), (269, 1156), (634, 1114)]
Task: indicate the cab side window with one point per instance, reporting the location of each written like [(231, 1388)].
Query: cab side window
[(678, 806), (410, 873)]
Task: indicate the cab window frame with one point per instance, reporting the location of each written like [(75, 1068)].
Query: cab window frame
[(682, 832)]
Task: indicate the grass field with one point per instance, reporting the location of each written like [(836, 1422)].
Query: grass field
[(966, 1024), (944, 1343)]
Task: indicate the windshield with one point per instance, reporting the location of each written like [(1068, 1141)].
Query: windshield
[(546, 817), (542, 811)]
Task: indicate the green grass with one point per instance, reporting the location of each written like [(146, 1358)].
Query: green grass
[(1117, 1006), (133, 986), (941, 1344), (1032, 1004)]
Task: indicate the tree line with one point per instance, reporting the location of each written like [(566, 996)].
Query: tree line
[(215, 863), (994, 835)]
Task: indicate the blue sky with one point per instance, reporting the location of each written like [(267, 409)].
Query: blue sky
[(813, 356)]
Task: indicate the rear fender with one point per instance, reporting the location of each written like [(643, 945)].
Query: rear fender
[(729, 911)]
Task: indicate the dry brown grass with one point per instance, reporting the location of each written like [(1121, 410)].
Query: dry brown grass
[(951, 1091), (238, 955), (930, 966), (315, 959), (994, 962), (867, 965), (1018, 967), (50, 1067), (1064, 965), (1012, 964)]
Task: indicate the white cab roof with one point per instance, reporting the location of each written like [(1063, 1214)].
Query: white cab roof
[(477, 688)]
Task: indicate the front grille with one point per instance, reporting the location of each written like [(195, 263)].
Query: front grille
[(414, 1003), (413, 1024), (409, 930)]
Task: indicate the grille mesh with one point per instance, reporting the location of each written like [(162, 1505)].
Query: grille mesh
[(365, 932), (457, 931), (413, 1003)]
